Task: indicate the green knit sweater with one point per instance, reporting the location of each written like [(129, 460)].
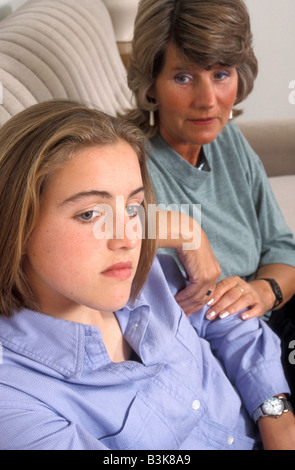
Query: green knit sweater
[(239, 213)]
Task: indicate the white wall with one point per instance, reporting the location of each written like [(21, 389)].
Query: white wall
[(273, 30), (8, 6)]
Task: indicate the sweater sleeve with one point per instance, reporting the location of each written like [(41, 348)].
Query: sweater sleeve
[(277, 240)]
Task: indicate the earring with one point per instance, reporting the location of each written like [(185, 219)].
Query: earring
[(231, 115), (152, 118)]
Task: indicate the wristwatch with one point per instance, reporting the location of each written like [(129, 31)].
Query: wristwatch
[(273, 407), (276, 290)]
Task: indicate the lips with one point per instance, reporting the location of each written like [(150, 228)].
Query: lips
[(203, 122), (122, 270)]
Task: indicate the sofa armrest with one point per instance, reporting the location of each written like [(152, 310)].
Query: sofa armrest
[(274, 142)]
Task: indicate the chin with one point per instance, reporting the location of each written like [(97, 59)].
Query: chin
[(115, 303)]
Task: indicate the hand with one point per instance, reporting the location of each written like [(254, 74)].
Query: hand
[(184, 234), (233, 295), (203, 272)]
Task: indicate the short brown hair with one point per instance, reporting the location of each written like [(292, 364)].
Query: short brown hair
[(34, 144), (205, 32)]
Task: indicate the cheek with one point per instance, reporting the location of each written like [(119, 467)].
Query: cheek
[(55, 249), (169, 99)]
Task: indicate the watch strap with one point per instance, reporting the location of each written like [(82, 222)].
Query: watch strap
[(276, 290)]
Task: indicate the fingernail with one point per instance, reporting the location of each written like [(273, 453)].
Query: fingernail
[(245, 316), (210, 316), (210, 302), (224, 315)]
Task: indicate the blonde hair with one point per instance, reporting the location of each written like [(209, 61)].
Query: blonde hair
[(205, 32), (34, 144)]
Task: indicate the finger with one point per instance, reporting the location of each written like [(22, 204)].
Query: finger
[(231, 303), (233, 309), (191, 303), (254, 312), (227, 284), (247, 310), (192, 294), (192, 309), (189, 291), (191, 306)]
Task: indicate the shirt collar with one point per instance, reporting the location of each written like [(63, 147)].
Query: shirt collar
[(53, 342)]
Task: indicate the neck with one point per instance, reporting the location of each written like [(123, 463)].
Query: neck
[(117, 347), (189, 152)]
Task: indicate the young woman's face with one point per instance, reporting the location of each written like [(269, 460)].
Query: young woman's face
[(80, 253), (194, 103)]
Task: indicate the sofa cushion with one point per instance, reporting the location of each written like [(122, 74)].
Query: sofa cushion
[(273, 140), (284, 190), (52, 49)]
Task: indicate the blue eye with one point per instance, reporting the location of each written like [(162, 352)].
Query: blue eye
[(182, 79), (89, 216), (132, 211), (221, 75)]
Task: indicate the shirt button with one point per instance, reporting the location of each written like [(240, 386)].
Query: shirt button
[(230, 440), (196, 405)]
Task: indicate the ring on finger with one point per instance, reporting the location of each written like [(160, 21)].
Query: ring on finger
[(241, 289)]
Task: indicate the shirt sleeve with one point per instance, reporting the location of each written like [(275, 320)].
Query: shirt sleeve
[(250, 354), (29, 428), (249, 351)]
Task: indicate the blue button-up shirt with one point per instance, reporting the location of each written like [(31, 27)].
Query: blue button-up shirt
[(195, 386)]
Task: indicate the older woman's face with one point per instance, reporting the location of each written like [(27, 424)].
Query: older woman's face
[(194, 103)]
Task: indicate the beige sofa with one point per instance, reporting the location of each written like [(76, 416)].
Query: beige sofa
[(67, 49)]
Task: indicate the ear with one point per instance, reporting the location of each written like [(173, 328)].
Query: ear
[(151, 94)]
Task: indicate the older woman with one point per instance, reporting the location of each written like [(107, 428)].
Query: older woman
[(192, 64)]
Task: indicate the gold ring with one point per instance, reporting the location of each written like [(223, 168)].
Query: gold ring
[(241, 289)]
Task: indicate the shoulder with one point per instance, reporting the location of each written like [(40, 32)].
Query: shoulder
[(165, 278), (232, 140), (235, 151)]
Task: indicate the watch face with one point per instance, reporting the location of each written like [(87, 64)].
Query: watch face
[(274, 406)]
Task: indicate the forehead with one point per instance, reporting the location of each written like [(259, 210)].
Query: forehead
[(105, 167), (174, 58)]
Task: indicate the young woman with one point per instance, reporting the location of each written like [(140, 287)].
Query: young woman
[(96, 353)]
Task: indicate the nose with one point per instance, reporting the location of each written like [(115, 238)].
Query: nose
[(127, 234), (205, 93)]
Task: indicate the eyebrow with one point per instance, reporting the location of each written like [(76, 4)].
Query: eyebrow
[(95, 193)]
